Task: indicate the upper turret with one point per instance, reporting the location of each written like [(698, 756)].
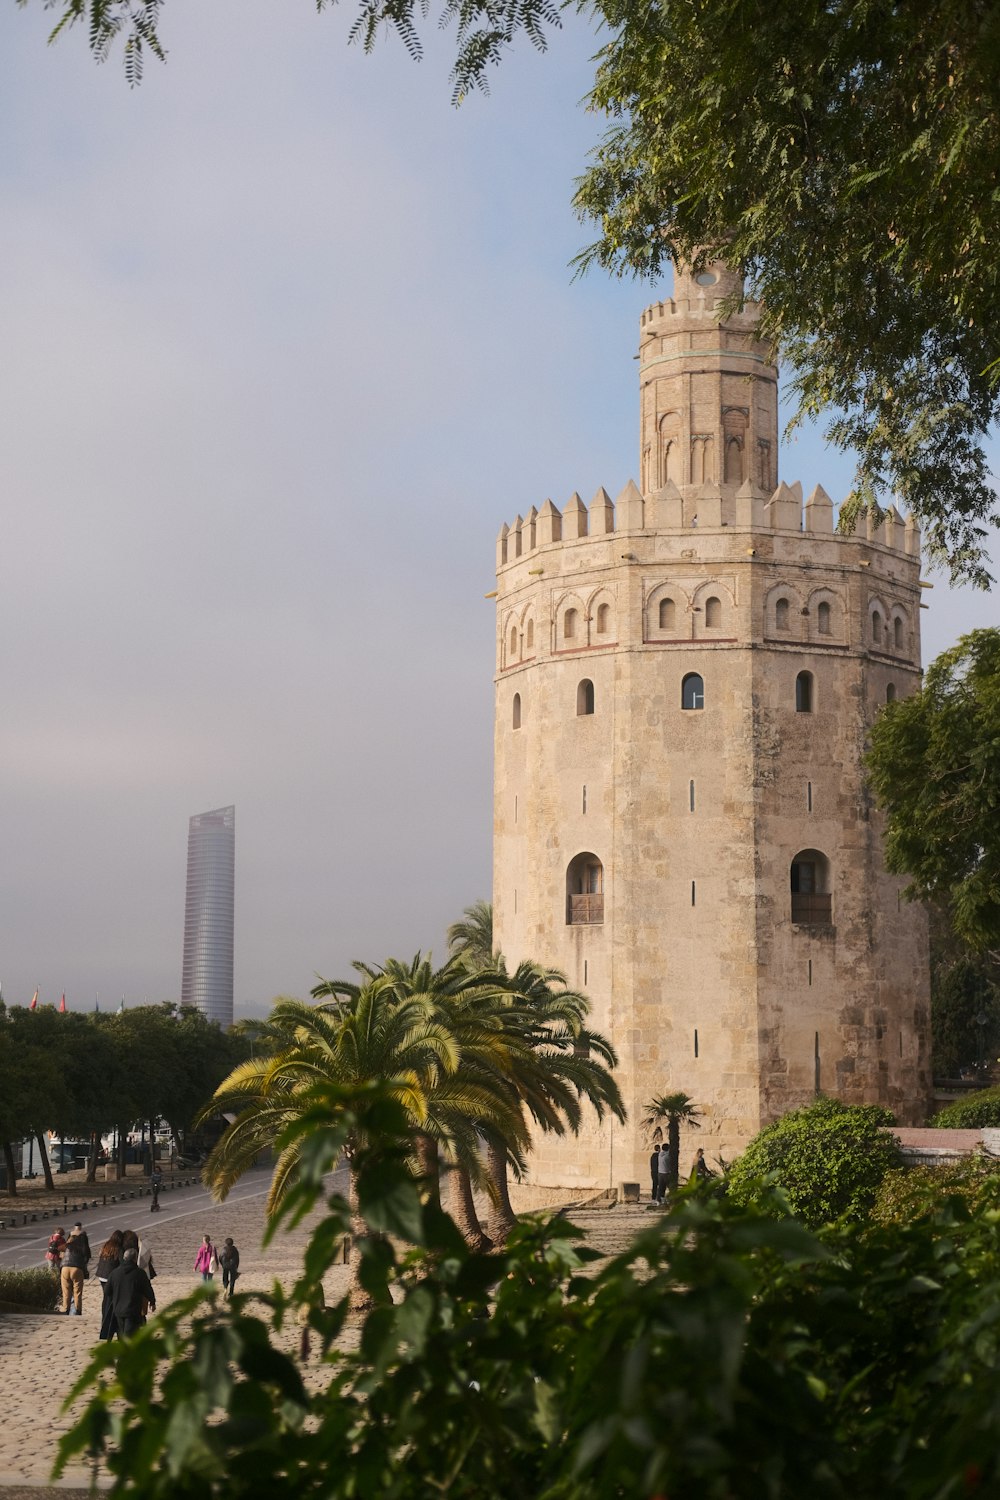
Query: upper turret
[(709, 392)]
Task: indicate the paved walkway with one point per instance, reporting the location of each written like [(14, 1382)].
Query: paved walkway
[(41, 1356)]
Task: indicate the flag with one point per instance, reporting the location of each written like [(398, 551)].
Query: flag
[(34, 1001), (62, 1004)]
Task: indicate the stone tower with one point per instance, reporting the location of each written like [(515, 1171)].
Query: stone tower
[(685, 679)]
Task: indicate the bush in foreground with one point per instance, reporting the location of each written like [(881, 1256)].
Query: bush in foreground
[(36, 1290), (728, 1353)]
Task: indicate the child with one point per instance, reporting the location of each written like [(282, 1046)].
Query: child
[(57, 1244)]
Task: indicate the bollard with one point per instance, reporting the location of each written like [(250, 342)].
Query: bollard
[(104, 1197)]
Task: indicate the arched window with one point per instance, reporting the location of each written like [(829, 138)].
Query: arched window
[(529, 636), (585, 697), (603, 618), (897, 633), (804, 693), (713, 613), (667, 614), (823, 617), (516, 712), (890, 692), (781, 614), (876, 627), (692, 691), (569, 624), (812, 901), (513, 641), (584, 890)]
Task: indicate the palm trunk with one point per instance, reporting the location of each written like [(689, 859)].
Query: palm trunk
[(44, 1158), (8, 1156), (462, 1206), (429, 1169), (361, 1301), (503, 1218), (674, 1151)]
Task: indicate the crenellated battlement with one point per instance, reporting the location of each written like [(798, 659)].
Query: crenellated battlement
[(708, 509)]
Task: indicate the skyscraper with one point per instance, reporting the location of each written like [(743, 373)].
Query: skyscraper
[(207, 981)]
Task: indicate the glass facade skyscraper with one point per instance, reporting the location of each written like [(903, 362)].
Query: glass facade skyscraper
[(207, 981)]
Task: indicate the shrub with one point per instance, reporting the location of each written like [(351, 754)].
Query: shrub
[(980, 1111), (32, 1289), (909, 1191), (828, 1159)]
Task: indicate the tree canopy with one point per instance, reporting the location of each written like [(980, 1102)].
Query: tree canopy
[(841, 153), (935, 768)]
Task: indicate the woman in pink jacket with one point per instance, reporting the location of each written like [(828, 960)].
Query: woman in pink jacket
[(206, 1261)]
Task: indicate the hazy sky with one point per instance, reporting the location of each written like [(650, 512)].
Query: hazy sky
[(283, 339)]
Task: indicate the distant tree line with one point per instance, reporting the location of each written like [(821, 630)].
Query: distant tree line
[(84, 1075)]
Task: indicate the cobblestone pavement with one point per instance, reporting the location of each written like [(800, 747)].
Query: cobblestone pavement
[(41, 1356)]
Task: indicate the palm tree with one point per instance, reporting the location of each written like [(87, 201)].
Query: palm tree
[(471, 938), (671, 1110), (357, 1035), (557, 1064)]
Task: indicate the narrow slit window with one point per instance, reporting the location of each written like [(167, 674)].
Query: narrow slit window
[(810, 971), (515, 715), (585, 799), (692, 893), (515, 807), (691, 796), (696, 1042), (809, 796), (585, 971)]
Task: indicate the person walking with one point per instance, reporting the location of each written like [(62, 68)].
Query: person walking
[(700, 1170), (131, 1289), (109, 1260), (229, 1260), (654, 1172), (662, 1172), (54, 1253), (74, 1265), (79, 1229), (155, 1183), (206, 1261)]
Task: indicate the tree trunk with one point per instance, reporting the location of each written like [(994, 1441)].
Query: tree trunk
[(122, 1145), (462, 1207), (361, 1301), (428, 1169), (674, 1152), (503, 1218), (92, 1159), (44, 1157), (8, 1156)]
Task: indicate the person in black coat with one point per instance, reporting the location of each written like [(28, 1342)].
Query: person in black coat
[(110, 1259), (130, 1288)]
